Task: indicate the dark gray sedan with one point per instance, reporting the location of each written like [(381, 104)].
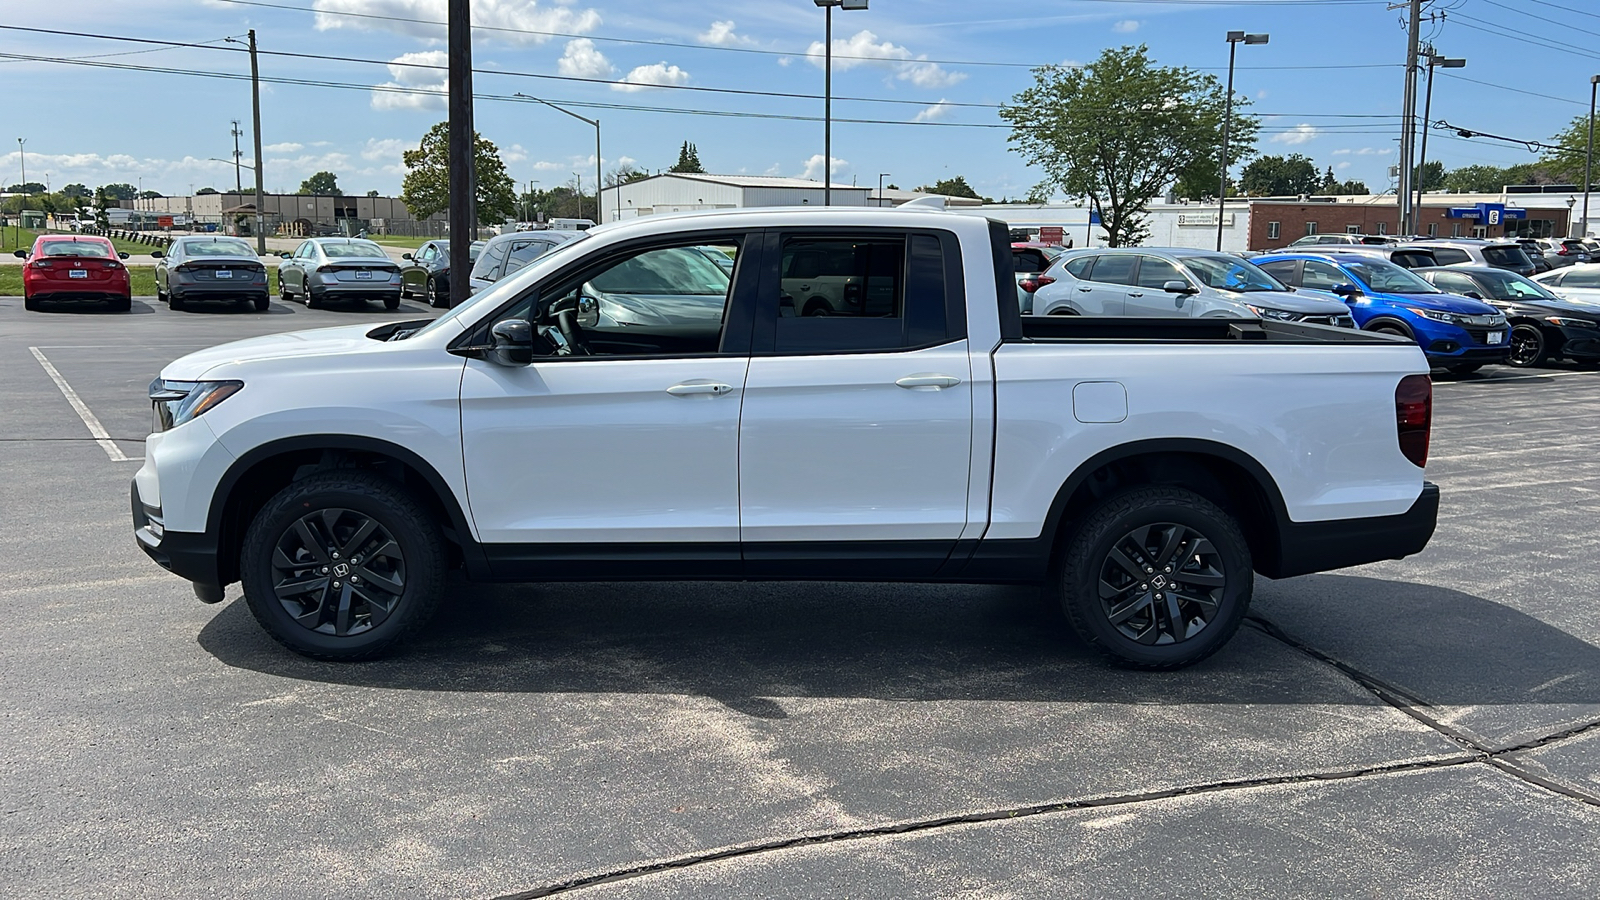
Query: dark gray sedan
[(323, 269), (210, 267)]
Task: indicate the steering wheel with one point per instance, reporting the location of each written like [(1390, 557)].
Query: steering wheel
[(564, 312)]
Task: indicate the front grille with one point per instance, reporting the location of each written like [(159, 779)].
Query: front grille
[(1337, 321), (1490, 320), (1481, 336)]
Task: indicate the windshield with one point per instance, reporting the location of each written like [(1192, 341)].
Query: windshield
[(352, 249), (676, 271), (218, 248), (1387, 278), (76, 248), (1511, 286), (1229, 273), (505, 288)]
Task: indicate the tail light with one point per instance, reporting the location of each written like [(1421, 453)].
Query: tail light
[(1413, 408), (1034, 282), (1563, 251), (42, 264)]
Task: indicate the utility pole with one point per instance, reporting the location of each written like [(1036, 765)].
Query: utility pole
[(255, 116), (462, 147), (596, 124), (1235, 38), (1588, 158), (1408, 115), (238, 181)]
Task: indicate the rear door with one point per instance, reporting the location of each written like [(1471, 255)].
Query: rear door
[(856, 434), (1148, 297), (1108, 285)]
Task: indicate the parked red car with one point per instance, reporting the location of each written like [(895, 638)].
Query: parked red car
[(75, 267)]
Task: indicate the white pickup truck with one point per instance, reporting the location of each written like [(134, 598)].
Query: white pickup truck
[(625, 407)]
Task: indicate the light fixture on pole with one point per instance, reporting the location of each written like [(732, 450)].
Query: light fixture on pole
[(1427, 112), (1235, 38), (827, 90), (881, 177), (1588, 157), (22, 157), (596, 124)]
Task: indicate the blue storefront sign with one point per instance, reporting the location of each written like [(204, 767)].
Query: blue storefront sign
[(1487, 213)]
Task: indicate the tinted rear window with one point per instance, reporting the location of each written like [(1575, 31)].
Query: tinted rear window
[(1114, 269), (76, 248), (352, 249), (1449, 256), (1506, 256), (1415, 259)]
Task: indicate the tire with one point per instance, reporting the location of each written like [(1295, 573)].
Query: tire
[(30, 304), (310, 300), (1464, 368), (1528, 347), (262, 304), (1590, 364), (174, 303), (815, 306), (391, 303), (122, 304), (321, 518), (436, 298), (1140, 527), (1394, 330), (161, 295)]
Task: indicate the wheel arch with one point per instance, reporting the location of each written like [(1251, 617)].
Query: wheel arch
[(263, 471), (1393, 321)]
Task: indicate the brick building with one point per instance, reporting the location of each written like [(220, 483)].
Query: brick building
[(1276, 223)]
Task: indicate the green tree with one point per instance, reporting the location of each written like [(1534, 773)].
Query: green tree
[(75, 190), (625, 174), (373, 193), (151, 195), (1277, 176), (102, 201), (1475, 179), (560, 202), (120, 191), (688, 160), (205, 190), (1563, 161), (953, 187), (1430, 175), (426, 188), (1121, 130), (322, 184), (1348, 188), (27, 187)]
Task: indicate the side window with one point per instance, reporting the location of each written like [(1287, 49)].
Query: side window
[(1581, 278), (1449, 256), (1026, 261), (1320, 276), (429, 253), (866, 294), (1114, 268), (1079, 268), (522, 253), (307, 250), (488, 265), (1555, 279), (1283, 270), (1454, 283), (1155, 272)]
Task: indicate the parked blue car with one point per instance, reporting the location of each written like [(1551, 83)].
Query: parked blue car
[(1457, 333)]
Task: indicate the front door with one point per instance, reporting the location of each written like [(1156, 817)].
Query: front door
[(1147, 297), (855, 443), (623, 447)]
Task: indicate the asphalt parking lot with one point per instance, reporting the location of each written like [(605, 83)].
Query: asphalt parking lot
[(1417, 728)]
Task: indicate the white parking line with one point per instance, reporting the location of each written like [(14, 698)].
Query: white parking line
[(98, 431)]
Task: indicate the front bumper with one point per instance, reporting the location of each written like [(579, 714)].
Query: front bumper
[(1579, 343), (1306, 547), (185, 554)]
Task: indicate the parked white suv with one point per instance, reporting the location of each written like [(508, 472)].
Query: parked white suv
[(1143, 469)]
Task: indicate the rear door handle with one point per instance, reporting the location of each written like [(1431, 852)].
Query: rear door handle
[(1136, 293), (928, 382), (1085, 290), (689, 389)]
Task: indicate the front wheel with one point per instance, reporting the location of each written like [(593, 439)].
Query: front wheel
[(342, 565), (1156, 577), (1528, 347)]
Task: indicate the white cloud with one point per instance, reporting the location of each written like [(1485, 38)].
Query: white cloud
[(785, 61), (379, 149), (775, 169), (655, 74), (721, 34), (582, 60), (285, 147), (405, 73), (937, 111), (1260, 95), (1364, 151), (863, 48), (513, 154), (813, 168), (1299, 134), (1344, 165), (1126, 26), (416, 18)]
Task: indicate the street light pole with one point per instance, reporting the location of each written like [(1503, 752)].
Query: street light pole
[(596, 124), (22, 157), (881, 176), (1235, 38), (1427, 114), (827, 90), (1588, 158)]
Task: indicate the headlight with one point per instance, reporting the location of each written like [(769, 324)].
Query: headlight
[(1436, 315), (176, 402), (1570, 323), (1267, 312)]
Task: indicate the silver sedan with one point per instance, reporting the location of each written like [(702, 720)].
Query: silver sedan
[(323, 269)]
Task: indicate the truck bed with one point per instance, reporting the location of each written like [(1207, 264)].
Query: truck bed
[(1115, 329)]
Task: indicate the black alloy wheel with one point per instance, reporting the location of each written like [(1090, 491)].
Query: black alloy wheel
[(342, 564), (1527, 347), (436, 298), (1156, 577)]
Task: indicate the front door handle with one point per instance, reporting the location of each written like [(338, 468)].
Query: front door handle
[(1085, 290), (1136, 293), (928, 382), (690, 389)]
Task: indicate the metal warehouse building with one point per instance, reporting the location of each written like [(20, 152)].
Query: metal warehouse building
[(684, 192)]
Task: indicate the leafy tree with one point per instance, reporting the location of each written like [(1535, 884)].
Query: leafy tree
[(75, 190), (688, 160), (1121, 130), (120, 191), (322, 184), (205, 190), (953, 187), (1564, 161), (1198, 181), (1430, 175), (101, 201), (426, 188), (373, 194), (891, 187), (1277, 176), (625, 174), (560, 202), (27, 187), (151, 195)]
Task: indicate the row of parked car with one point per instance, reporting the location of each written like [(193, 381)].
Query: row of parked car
[(1474, 311), (1543, 254)]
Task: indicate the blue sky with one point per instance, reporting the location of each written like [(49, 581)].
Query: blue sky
[(1329, 83)]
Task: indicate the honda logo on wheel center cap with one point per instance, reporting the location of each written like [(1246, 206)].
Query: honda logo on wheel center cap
[(341, 570)]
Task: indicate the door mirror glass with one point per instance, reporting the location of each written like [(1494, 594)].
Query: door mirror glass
[(20, 254), (588, 310), (511, 343), (1178, 287), (405, 256), (1473, 294), (154, 254), (1346, 290), (125, 256)]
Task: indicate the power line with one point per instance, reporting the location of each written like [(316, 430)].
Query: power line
[(1566, 8), (1512, 89), (1523, 12), (1504, 32)]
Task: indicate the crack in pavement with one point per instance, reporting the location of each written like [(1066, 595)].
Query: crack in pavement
[(1474, 752)]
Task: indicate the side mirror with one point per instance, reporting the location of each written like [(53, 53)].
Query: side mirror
[(405, 256), (1473, 294), (20, 254), (1179, 287), (511, 343), (1346, 290), (588, 311), (125, 256), (154, 254)]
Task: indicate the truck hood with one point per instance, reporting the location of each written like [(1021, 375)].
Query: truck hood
[(317, 342)]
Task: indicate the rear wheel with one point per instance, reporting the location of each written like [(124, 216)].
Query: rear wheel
[(310, 299), (174, 302), (122, 304), (263, 303), (341, 565), (1156, 577), (30, 304), (391, 302), (437, 298), (1528, 347)]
